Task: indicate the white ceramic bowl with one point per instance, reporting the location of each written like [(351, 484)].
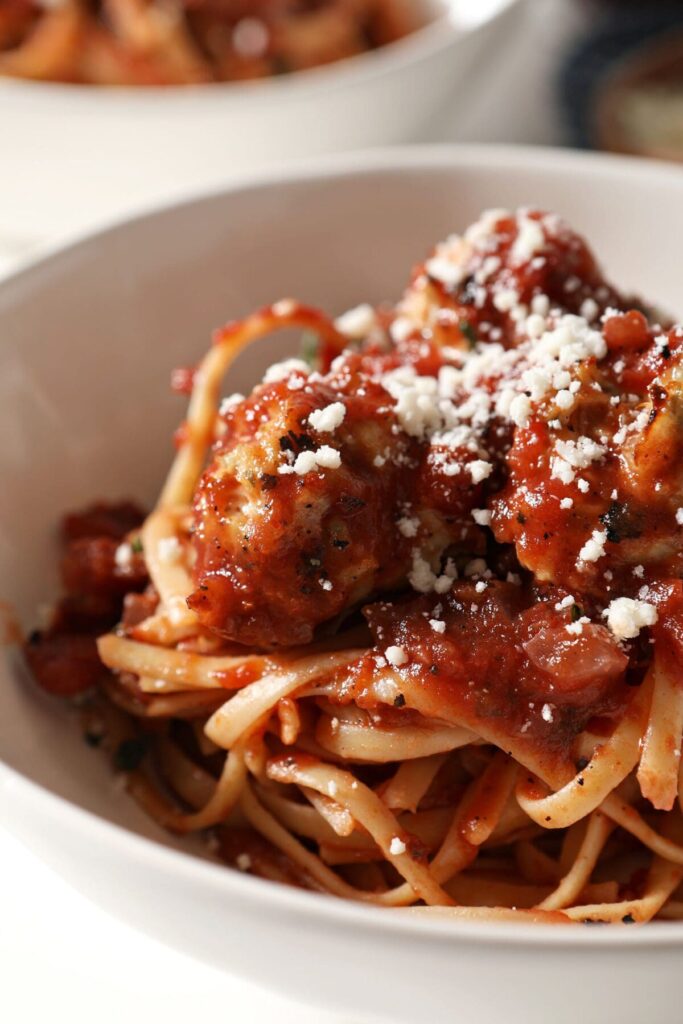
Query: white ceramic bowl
[(72, 155), (87, 338)]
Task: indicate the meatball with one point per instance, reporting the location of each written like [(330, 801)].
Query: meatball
[(598, 484), (315, 498), (483, 285)]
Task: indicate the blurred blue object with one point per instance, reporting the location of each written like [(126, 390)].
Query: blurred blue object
[(621, 85)]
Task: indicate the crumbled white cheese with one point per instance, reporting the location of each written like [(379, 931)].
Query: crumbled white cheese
[(547, 713), (594, 548), (424, 580), (408, 526), (283, 370), (123, 556), (438, 625), (328, 419), (324, 457), (357, 323), (396, 656), (561, 470), (520, 410), (284, 307), (566, 503), (397, 846), (580, 453), (589, 309), (506, 299), (481, 516), (479, 470), (445, 271), (564, 399), (480, 233), (626, 616), (540, 304), (530, 239), (417, 409), (401, 329), (229, 403), (576, 628), (243, 861), (535, 325)]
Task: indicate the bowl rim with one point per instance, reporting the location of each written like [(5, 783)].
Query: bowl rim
[(423, 44), (328, 910)]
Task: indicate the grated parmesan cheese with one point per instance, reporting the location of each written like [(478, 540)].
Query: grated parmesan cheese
[(481, 516), (229, 403), (396, 656), (626, 616), (328, 419), (594, 548), (324, 457), (479, 470), (123, 556), (530, 239), (445, 271), (283, 370), (357, 323)]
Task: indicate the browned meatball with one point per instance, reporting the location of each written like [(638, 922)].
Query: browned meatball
[(315, 498)]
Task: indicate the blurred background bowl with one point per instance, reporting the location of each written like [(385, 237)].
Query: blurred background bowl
[(117, 148)]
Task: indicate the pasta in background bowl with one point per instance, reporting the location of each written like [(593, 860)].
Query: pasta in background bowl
[(152, 43), (101, 151), (106, 428)]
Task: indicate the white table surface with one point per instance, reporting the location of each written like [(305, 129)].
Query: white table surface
[(64, 960), (61, 958)]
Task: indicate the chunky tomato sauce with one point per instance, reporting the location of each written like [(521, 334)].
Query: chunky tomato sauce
[(499, 658), (63, 656), (491, 469)]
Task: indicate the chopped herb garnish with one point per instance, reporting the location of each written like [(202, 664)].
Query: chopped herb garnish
[(136, 546), (130, 753), (576, 613), (310, 349), (468, 331)]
